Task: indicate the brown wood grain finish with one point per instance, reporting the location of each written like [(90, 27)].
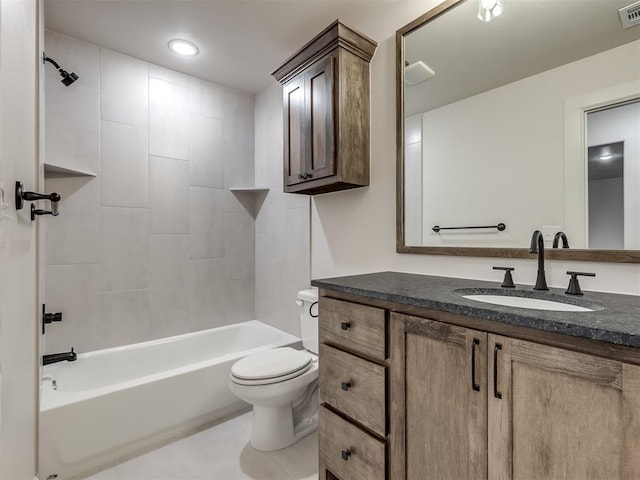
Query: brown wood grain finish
[(353, 123), (596, 370), (499, 434), (631, 422), (335, 35), (445, 418), (357, 328), (335, 129), (397, 406), (560, 418), (366, 455), (293, 96), (363, 395)]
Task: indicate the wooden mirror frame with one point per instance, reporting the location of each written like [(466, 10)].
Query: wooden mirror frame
[(614, 256)]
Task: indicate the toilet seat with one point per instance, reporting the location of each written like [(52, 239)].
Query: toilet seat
[(271, 366)]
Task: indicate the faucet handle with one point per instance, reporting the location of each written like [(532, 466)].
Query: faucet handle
[(574, 285), (508, 279)]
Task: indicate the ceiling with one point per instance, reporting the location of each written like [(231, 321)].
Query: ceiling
[(241, 41)]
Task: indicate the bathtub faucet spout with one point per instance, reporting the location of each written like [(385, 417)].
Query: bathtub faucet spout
[(59, 357)]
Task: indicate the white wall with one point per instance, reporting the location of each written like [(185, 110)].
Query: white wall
[(154, 244), (282, 223), (19, 160), (354, 231)]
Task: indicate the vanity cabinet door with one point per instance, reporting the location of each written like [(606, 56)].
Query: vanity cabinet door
[(554, 414), (438, 400)]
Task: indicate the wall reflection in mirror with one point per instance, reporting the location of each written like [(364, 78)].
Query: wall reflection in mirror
[(487, 114)]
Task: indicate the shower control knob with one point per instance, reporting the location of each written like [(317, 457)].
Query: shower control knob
[(345, 325), (346, 386), (346, 454)]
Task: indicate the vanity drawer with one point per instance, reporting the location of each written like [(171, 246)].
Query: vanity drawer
[(354, 386), (348, 452), (358, 328)]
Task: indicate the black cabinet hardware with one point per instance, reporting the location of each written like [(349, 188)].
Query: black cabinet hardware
[(346, 454), (474, 385), (345, 325), (496, 393), (346, 386)]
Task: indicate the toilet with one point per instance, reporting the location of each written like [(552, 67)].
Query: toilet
[(282, 384)]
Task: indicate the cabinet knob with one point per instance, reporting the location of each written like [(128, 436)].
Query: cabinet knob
[(346, 386), (345, 325), (346, 454)]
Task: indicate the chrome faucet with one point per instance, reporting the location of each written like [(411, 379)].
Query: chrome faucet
[(537, 246)]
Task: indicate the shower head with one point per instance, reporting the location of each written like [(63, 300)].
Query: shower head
[(67, 78)]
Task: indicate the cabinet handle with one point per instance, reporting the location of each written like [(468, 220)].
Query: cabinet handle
[(346, 454), (496, 393), (345, 325), (346, 386), (304, 176), (474, 385)]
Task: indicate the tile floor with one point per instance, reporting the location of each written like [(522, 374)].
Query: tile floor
[(222, 452)]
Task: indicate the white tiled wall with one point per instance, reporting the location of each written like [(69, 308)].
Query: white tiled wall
[(282, 223), (153, 245)]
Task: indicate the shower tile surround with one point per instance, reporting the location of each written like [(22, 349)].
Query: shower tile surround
[(155, 244)]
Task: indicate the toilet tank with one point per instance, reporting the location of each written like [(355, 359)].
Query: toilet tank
[(308, 304)]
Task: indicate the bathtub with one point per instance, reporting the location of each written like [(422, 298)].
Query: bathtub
[(115, 402)]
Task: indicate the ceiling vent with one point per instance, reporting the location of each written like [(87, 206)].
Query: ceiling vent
[(630, 15), (417, 72)]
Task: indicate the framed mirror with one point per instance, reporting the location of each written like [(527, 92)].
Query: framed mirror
[(530, 121)]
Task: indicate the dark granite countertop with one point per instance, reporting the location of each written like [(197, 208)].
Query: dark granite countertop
[(614, 319)]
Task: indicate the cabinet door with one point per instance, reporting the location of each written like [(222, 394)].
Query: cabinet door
[(439, 431), (560, 414), (319, 85), (295, 124)]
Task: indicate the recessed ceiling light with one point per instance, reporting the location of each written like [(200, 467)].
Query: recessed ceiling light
[(605, 157), (183, 47)]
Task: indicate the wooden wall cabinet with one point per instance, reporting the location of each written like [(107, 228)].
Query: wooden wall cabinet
[(471, 405), (326, 112)]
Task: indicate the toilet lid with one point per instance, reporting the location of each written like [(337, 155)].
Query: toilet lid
[(272, 364)]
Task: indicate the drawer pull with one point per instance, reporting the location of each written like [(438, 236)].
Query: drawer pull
[(345, 325), (496, 393), (475, 386), (346, 386), (346, 454)]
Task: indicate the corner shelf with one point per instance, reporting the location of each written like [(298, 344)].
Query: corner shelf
[(51, 170), (249, 189)]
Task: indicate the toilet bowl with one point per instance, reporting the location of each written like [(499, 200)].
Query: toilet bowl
[(282, 385)]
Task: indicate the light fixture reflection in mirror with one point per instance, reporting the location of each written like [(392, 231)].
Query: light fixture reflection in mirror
[(489, 138), (489, 9)]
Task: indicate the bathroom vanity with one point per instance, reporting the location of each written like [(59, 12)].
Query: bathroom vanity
[(417, 381)]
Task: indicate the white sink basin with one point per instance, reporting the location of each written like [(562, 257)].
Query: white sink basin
[(526, 302)]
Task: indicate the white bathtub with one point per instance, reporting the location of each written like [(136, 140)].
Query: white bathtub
[(114, 402)]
